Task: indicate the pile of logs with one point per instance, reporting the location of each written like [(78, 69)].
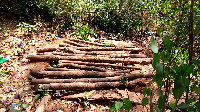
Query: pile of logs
[(89, 65)]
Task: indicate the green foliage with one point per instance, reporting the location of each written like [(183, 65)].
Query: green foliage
[(41, 93), (3, 29), (146, 91), (125, 104), (29, 29), (123, 80), (154, 47), (173, 68), (2, 60), (145, 101), (83, 31)]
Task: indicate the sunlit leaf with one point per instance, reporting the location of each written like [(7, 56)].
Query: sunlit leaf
[(37, 96), (154, 47), (118, 105)]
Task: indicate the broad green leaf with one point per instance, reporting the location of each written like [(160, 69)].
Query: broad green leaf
[(45, 92), (161, 101), (176, 71), (118, 105), (145, 101), (159, 30), (2, 60), (190, 101), (154, 47), (183, 105), (37, 96), (186, 86), (172, 105), (160, 92), (197, 105), (123, 80), (165, 56), (168, 44), (159, 74), (178, 89), (159, 69), (150, 83), (188, 69), (197, 90), (127, 104), (146, 91), (197, 62), (156, 60)]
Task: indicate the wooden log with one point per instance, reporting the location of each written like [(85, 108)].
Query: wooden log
[(43, 57), (91, 43), (110, 56), (74, 43), (63, 62), (67, 69), (82, 67), (108, 60), (73, 74), (109, 49), (90, 59), (83, 86), (92, 80), (41, 50), (59, 69)]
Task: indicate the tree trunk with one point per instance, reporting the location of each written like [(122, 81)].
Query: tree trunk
[(81, 67), (92, 80), (41, 50), (109, 49), (90, 59), (73, 74), (63, 62), (100, 55), (91, 86)]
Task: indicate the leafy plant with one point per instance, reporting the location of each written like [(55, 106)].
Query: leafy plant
[(83, 31), (27, 28), (168, 73), (125, 104), (41, 92)]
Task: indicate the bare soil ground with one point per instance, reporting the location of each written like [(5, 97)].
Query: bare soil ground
[(15, 87)]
